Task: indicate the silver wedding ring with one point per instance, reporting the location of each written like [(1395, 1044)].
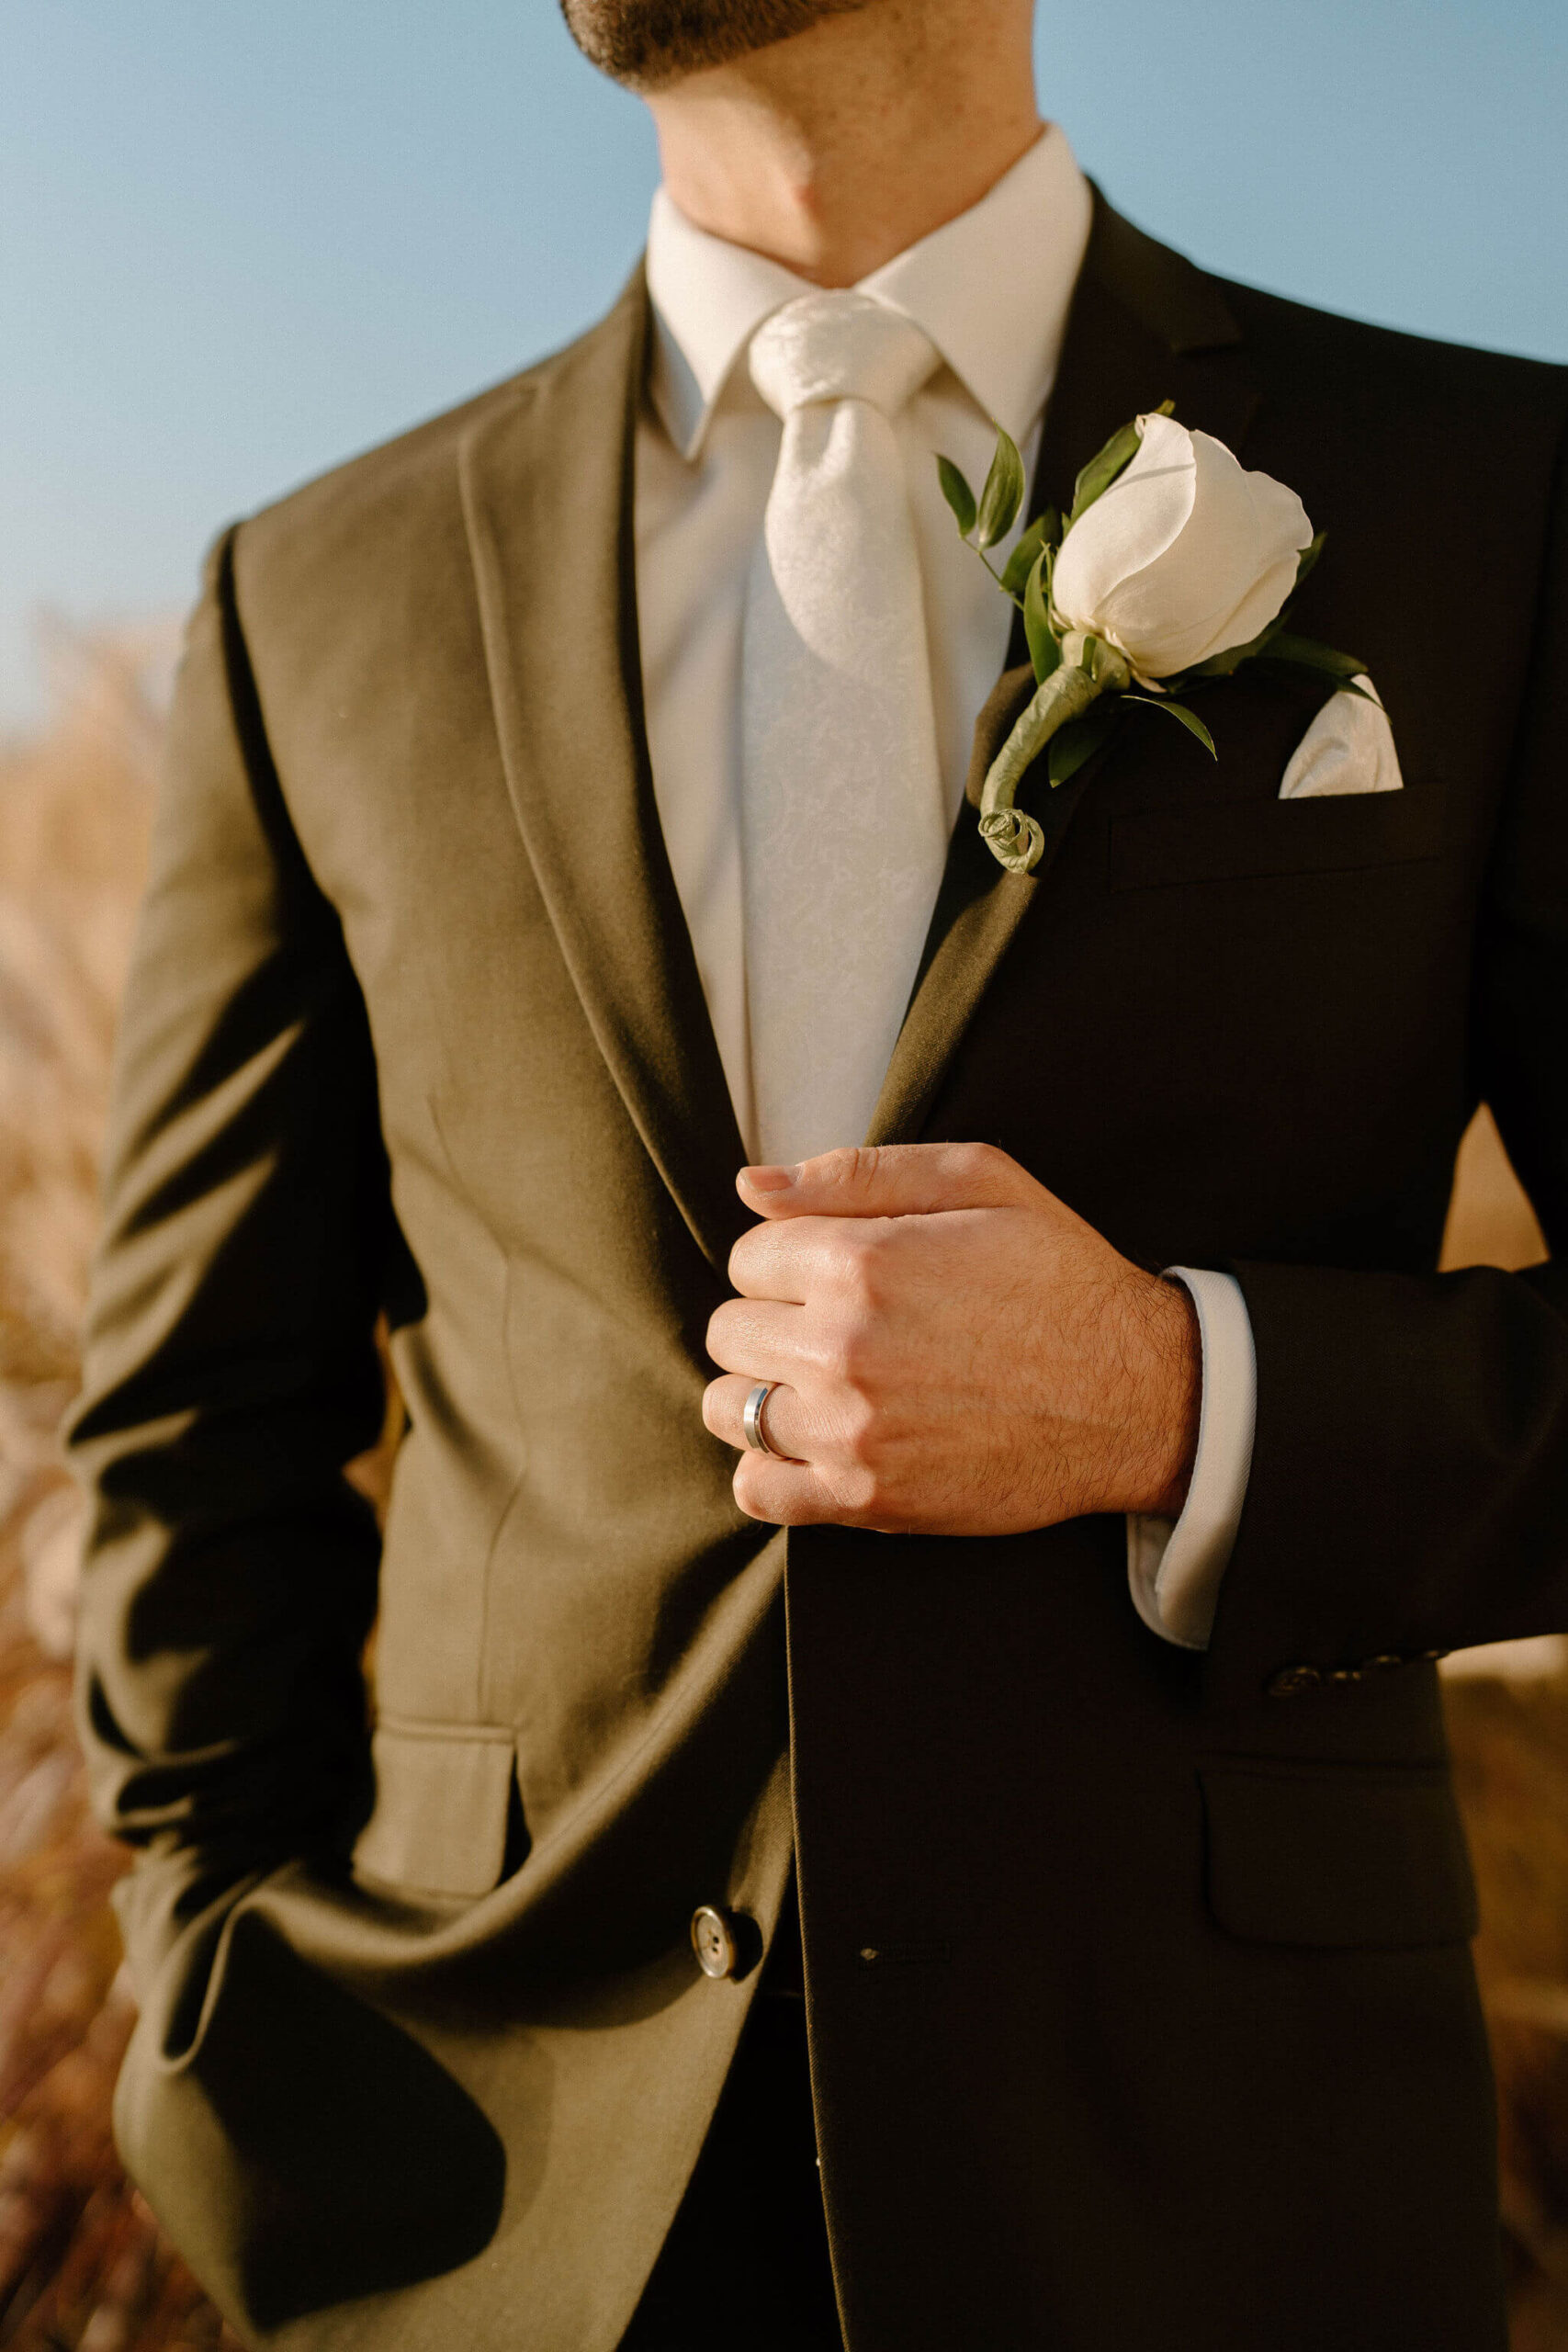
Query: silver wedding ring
[(752, 1420)]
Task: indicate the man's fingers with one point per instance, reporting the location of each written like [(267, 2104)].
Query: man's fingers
[(783, 1417), (890, 1179), (784, 1494), (757, 1335), (788, 1260)]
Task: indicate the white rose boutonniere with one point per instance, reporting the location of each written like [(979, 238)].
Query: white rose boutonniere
[(1174, 565)]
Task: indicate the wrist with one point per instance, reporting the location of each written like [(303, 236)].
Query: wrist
[(1168, 1400)]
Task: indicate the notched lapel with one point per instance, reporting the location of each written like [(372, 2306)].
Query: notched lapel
[(547, 482), (1145, 325)]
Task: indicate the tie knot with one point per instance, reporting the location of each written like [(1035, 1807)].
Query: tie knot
[(837, 347)]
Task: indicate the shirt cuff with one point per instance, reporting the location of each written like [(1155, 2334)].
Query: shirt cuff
[(1175, 1568)]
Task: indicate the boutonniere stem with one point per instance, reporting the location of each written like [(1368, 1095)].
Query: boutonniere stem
[(1173, 566), (1087, 670)]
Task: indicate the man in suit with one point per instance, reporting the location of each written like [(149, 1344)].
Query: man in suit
[(968, 1855)]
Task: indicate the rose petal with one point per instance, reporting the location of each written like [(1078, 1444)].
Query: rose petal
[(1195, 582), (1254, 613), (1144, 511), (1184, 593), (1225, 577)]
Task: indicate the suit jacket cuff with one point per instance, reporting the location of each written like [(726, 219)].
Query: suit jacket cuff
[(1409, 1483), (1174, 1567)]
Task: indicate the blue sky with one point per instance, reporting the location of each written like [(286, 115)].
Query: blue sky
[(238, 241)]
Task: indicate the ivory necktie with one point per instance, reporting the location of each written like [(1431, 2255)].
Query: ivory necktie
[(843, 824)]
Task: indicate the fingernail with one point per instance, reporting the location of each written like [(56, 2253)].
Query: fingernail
[(770, 1180)]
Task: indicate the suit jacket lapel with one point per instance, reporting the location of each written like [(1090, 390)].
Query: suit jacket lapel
[(1145, 325), (547, 499), (546, 478)]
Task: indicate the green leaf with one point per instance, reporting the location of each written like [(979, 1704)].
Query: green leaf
[(1309, 558), (1044, 650), (1114, 458), (1300, 672), (1003, 493), (1110, 669), (1080, 740), (1226, 664), (1306, 653), (1189, 718), (1020, 563), (958, 494)]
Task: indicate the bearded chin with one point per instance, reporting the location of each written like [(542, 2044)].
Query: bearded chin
[(645, 43)]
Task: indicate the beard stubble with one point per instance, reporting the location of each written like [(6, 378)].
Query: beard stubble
[(645, 43)]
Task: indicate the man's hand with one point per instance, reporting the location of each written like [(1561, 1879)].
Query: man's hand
[(956, 1352)]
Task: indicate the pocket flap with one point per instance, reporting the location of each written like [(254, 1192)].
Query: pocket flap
[(1243, 841), (441, 1796), (1336, 1855)]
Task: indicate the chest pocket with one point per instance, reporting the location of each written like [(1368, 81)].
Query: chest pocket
[(1235, 841)]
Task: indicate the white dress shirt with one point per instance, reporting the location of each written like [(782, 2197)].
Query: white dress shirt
[(991, 290)]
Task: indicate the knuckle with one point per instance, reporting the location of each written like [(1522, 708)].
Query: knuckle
[(979, 1163), (716, 1402), (860, 1491), (848, 1355), (742, 1258), (849, 1165), (862, 1431), (862, 1257)]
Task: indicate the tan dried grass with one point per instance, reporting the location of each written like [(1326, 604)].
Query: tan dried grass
[(75, 808), (82, 2263)]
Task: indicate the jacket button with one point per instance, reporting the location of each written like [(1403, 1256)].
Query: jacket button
[(714, 1941), (1291, 1681), (1340, 1675), (1385, 1661)]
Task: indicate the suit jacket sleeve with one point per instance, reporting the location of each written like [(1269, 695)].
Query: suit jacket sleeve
[(1409, 1486), (230, 1368)]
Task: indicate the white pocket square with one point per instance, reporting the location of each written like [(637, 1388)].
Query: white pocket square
[(1348, 748)]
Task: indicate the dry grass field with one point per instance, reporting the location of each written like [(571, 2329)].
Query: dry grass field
[(81, 2262)]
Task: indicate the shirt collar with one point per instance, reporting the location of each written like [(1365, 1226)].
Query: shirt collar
[(991, 288)]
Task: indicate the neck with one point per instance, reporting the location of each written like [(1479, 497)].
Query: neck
[(835, 149)]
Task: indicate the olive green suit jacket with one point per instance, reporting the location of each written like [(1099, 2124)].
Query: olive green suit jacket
[(1139, 1994)]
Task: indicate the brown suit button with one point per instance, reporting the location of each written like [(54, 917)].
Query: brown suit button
[(714, 1941), (1383, 1663), (1291, 1681), (1340, 1675), (1430, 1658)]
